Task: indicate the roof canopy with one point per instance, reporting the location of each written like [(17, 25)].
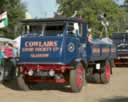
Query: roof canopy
[(61, 19)]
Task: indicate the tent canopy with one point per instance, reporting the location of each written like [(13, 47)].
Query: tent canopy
[(7, 40)]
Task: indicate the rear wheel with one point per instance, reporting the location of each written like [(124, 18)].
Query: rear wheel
[(96, 78), (93, 76), (89, 74), (77, 77), (105, 75)]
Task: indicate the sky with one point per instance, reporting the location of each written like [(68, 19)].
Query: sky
[(44, 8), (120, 1), (40, 8)]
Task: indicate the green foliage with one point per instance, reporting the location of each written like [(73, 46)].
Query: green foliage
[(125, 8), (126, 1), (16, 11), (126, 5), (90, 9)]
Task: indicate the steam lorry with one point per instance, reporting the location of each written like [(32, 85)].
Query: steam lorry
[(56, 50)]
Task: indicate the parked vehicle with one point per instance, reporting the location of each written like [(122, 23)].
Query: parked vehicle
[(121, 42), (56, 50)]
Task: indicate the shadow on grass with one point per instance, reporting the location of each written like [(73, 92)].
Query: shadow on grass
[(115, 99)]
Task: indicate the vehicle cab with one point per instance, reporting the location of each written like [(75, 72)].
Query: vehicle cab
[(51, 40), (51, 51)]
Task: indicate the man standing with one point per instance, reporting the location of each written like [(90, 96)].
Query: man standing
[(9, 61)]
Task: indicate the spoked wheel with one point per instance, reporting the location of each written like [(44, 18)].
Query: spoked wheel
[(77, 77), (21, 83), (105, 75)]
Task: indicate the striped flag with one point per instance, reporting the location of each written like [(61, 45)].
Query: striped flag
[(3, 20)]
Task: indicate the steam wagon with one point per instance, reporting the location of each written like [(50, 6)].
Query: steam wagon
[(56, 50)]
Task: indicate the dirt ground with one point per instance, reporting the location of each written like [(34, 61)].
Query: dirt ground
[(115, 91)]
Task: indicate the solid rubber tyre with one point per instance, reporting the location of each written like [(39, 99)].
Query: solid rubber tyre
[(106, 74), (21, 83), (89, 74), (96, 78), (77, 78)]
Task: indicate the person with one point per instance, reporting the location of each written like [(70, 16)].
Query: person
[(8, 51), (89, 44), (14, 61), (15, 51), (1, 56), (89, 36), (9, 61)]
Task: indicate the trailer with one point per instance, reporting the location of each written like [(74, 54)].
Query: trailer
[(56, 50), (121, 42)]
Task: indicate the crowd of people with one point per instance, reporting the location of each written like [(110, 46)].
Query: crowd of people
[(8, 54), (8, 50)]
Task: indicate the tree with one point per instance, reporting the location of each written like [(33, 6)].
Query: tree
[(126, 1), (125, 8), (90, 9), (126, 5), (16, 12)]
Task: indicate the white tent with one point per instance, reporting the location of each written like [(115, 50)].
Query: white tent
[(107, 40), (17, 43), (17, 40), (7, 40)]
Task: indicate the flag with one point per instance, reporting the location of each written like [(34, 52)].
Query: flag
[(3, 20)]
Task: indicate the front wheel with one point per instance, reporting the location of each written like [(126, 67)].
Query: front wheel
[(77, 77), (21, 83)]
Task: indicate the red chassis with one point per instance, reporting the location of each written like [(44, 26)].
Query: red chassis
[(31, 72)]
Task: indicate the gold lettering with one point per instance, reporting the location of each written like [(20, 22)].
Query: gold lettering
[(105, 50), (27, 49), (43, 49), (96, 50), (39, 55), (26, 44), (41, 44)]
